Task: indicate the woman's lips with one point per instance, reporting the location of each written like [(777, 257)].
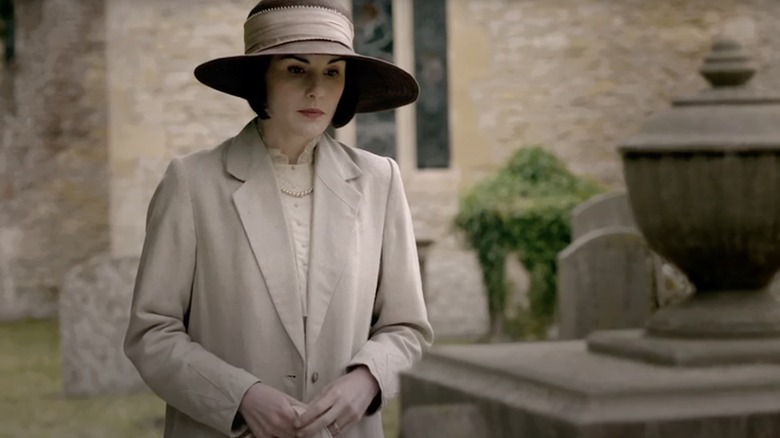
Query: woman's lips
[(311, 113)]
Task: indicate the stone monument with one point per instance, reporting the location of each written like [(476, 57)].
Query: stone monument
[(601, 211), (606, 280), (704, 183)]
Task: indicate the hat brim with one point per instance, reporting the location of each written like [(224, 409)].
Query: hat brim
[(381, 84)]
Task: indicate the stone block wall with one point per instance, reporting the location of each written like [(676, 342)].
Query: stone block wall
[(53, 155), (578, 78), (158, 109)]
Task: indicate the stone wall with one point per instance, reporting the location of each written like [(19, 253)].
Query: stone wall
[(53, 156), (158, 109), (454, 292), (578, 78)]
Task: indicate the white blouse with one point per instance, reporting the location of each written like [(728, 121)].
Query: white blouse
[(297, 211)]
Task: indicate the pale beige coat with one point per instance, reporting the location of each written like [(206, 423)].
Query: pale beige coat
[(215, 309)]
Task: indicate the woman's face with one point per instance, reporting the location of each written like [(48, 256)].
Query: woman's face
[(303, 92)]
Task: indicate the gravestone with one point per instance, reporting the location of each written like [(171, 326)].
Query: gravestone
[(94, 312), (613, 209), (606, 280), (446, 420), (20, 298), (601, 211)]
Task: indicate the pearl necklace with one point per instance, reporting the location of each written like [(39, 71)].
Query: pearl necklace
[(297, 194)]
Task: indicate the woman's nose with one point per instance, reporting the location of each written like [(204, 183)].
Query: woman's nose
[(316, 87)]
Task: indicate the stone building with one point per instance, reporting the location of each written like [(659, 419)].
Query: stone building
[(101, 95)]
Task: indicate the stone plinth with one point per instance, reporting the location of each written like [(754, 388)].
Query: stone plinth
[(94, 313), (682, 352), (451, 421), (560, 390)]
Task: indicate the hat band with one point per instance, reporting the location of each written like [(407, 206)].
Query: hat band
[(305, 23)]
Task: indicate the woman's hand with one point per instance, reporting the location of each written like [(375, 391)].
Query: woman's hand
[(340, 405), (268, 412)]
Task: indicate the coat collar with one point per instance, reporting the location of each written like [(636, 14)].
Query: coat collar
[(241, 155), (257, 200)]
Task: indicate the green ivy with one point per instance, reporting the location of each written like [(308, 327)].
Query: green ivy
[(524, 207)]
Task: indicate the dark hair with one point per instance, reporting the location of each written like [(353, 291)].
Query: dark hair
[(256, 94), (345, 110)]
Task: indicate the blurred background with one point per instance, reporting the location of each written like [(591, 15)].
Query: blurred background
[(96, 97)]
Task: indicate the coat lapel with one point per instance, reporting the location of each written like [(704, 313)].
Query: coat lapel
[(262, 217), (336, 201)]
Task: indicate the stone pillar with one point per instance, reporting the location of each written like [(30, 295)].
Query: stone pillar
[(702, 179)]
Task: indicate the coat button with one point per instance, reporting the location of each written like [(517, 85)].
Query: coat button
[(315, 377)]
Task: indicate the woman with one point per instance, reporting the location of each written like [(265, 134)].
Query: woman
[(279, 290)]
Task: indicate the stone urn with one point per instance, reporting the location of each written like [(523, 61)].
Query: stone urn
[(704, 183)]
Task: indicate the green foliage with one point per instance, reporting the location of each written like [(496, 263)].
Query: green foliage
[(524, 207)]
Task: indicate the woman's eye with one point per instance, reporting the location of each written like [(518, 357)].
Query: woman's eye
[(295, 69), (332, 73)]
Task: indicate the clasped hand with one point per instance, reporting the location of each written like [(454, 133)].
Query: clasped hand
[(268, 412), (271, 413)]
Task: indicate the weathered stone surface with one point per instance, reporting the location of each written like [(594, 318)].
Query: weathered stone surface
[(94, 312), (605, 281), (451, 421), (20, 302), (53, 154), (457, 303), (682, 352), (455, 294), (613, 209), (559, 81), (601, 211), (158, 109), (558, 389)]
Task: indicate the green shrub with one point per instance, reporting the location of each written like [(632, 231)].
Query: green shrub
[(524, 207)]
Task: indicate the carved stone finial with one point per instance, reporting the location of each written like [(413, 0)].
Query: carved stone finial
[(727, 65)]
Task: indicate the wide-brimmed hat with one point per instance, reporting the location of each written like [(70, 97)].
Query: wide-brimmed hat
[(314, 27)]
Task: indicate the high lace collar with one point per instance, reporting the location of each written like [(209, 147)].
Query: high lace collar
[(306, 157), (279, 157)]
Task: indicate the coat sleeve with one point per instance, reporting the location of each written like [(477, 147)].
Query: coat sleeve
[(400, 330), (179, 370)]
